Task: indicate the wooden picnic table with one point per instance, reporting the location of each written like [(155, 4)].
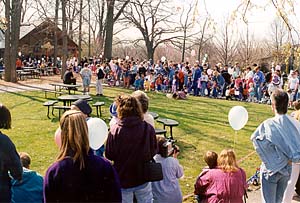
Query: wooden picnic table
[(168, 122), (69, 87), (153, 114), (68, 99)]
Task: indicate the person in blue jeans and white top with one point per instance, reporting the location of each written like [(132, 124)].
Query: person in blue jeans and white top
[(277, 142)]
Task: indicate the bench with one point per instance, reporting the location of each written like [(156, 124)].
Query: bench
[(53, 91), (61, 108), (160, 132), (48, 104), (168, 122), (98, 107)]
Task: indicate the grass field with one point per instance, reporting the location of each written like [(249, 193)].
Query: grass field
[(203, 126)]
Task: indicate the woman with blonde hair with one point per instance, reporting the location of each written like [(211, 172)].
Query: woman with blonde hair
[(226, 183), (130, 144), (78, 175)]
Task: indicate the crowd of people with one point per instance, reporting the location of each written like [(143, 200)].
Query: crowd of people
[(220, 81), (116, 171), (81, 174)]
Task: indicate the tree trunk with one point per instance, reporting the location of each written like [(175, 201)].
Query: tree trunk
[(89, 24), (150, 50), (12, 35), (80, 30), (109, 29), (55, 33), (8, 68), (183, 46), (65, 39)]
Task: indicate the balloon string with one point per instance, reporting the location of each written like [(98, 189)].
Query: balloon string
[(235, 135)]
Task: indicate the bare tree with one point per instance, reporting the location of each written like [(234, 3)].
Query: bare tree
[(109, 25), (247, 48), (278, 34), (226, 45), (65, 39), (152, 19), (80, 29), (12, 34)]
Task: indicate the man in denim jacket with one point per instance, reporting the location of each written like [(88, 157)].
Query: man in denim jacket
[(277, 142)]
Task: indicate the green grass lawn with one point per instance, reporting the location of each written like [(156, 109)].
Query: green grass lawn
[(203, 126)]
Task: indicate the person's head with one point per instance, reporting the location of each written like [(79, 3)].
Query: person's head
[(296, 105), (74, 137), (227, 161), (164, 146), (83, 106), (211, 159), (279, 101), (25, 159), (142, 98), (128, 106), (5, 117)]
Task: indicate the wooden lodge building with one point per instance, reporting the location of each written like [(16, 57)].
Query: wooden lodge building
[(38, 41)]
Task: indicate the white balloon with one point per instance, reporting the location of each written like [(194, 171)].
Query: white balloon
[(163, 59), (127, 57), (98, 132), (237, 117)]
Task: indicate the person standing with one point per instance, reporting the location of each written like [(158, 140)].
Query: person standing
[(258, 81), (100, 76), (86, 75), (78, 175), (277, 142), (9, 158), (130, 144), (167, 190)]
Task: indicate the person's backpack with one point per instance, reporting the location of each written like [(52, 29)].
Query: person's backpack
[(100, 74)]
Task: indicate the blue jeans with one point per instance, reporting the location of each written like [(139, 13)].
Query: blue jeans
[(203, 88), (258, 93), (273, 187), (143, 194), (196, 89)]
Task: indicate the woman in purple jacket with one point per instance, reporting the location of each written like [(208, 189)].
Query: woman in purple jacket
[(226, 183), (78, 175), (131, 142)]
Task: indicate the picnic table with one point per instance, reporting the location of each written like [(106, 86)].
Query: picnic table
[(68, 99), (69, 87), (168, 122), (153, 114)]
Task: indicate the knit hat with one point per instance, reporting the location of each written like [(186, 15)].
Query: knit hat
[(83, 106), (113, 110)]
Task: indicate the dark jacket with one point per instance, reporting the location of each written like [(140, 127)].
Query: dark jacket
[(97, 182), (9, 161), (131, 142)]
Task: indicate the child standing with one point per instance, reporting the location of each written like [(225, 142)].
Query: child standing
[(158, 82), (174, 84), (251, 92), (147, 85), (203, 81)]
